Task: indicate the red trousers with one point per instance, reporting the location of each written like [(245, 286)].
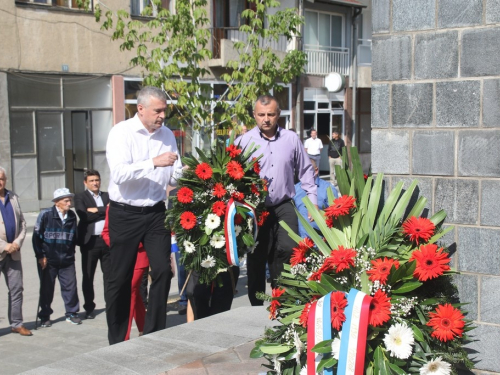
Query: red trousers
[(137, 309)]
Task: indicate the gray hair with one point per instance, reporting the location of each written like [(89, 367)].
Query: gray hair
[(2, 170), (267, 99), (145, 94)]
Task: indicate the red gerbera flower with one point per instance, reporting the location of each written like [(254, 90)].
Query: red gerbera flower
[(185, 195), (381, 268), (256, 166), (262, 218), (431, 262), (299, 253), (238, 219), (342, 258), (238, 196), (233, 151), (329, 222), (255, 189), (447, 322), (338, 303), (219, 208), (264, 185), (305, 312), (380, 309), (273, 309), (218, 190), (235, 170), (188, 220), (340, 206), (327, 266), (365, 176), (418, 228), (203, 171)]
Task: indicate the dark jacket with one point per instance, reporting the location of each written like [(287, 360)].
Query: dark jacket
[(335, 148), (54, 240), (87, 222)]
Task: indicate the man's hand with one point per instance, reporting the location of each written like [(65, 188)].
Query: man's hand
[(43, 263), (309, 216), (94, 210), (11, 248), (166, 159)]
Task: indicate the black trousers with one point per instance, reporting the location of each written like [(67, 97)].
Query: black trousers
[(126, 230), (92, 252), (275, 247)]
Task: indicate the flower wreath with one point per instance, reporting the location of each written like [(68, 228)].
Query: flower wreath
[(370, 292)]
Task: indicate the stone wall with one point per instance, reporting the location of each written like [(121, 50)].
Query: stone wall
[(436, 117)]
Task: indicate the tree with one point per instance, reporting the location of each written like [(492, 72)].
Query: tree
[(174, 50)]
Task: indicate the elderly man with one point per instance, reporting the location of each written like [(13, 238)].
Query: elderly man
[(283, 157), (143, 160), (12, 234), (54, 242)]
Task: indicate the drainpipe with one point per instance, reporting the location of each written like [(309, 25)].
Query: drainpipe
[(354, 71), (299, 97)]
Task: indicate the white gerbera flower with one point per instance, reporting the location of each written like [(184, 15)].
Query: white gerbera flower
[(299, 345), (436, 367), (277, 363), (250, 225), (212, 221), (237, 230), (189, 247), (336, 346), (399, 340), (218, 241), (209, 262)]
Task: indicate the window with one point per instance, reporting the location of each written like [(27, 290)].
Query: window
[(138, 6), (324, 29), (71, 4)]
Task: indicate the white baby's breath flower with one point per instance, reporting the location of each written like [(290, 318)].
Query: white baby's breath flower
[(299, 346), (212, 221), (237, 230), (218, 241), (336, 346), (189, 247), (436, 367), (208, 262), (399, 340)]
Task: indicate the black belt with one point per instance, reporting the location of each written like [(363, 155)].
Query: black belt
[(158, 207)]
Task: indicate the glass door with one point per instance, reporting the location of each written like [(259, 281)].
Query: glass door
[(80, 129)]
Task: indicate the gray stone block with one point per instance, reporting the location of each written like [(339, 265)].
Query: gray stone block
[(413, 15), (390, 152), (467, 286), (380, 106), (428, 63), (412, 104), (455, 13), (391, 58), (424, 189), (485, 344), (433, 153), (478, 153), (491, 100), (490, 204), (479, 56), (459, 198), (478, 250), (492, 11), (458, 104), (381, 10), (490, 295)]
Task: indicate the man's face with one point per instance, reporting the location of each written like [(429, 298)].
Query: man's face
[(152, 114), (314, 134), (335, 135), (63, 204), (267, 117), (3, 181), (93, 183)]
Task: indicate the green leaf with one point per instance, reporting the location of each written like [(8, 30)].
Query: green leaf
[(419, 336), (323, 347), (204, 239), (407, 287), (274, 348), (256, 353)]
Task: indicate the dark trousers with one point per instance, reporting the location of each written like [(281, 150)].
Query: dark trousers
[(69, 292), (275, 247), (93, 251), (213, 298), (126, 230)]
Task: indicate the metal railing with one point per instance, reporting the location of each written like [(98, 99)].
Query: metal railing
[(364, 52), (235, 35), (324, 60)]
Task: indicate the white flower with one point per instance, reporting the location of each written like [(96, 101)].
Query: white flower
[(303, 370), (277, 363), (218, 241), (189, 247), (252, 248), (299, 345), (336, 346), (237, 230), (212, 221), (436, 367), (250, 225), (399, 340), (209, 262)]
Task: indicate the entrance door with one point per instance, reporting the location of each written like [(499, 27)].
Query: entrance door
[(337, 123), (81, 139)]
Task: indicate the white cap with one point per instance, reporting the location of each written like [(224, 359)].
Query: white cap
[(62, 193)]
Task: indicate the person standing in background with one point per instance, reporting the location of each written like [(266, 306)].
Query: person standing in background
[(335, 155), (313, 146)]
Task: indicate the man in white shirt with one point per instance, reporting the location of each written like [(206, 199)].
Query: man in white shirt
[(143, 160), (313, 147)]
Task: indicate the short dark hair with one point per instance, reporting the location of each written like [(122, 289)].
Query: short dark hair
[(91, 172), (267, 99)]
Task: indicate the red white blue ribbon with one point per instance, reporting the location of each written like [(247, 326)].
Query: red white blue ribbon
[(229, 229), (322, 327)]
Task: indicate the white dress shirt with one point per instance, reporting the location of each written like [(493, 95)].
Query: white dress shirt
[(98, 225), (130, 151), (313, 146)]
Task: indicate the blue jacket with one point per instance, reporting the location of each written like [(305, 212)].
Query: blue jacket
[(54, 240), (322, 201)]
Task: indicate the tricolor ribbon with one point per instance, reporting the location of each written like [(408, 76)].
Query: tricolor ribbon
[(319, 322), (173, 240), (230, 233)]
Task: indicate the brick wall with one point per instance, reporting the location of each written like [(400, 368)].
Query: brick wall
[(436, 118)]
